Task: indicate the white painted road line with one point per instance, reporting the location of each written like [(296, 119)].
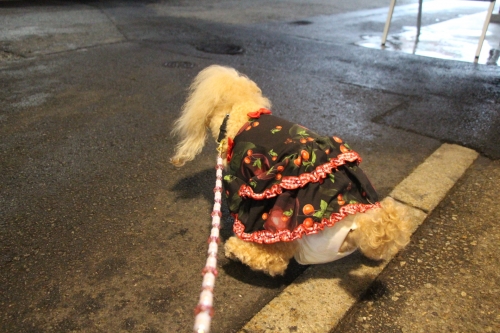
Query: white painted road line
[(429, 183)]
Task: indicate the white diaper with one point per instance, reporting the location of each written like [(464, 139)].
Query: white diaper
[(324, 246)]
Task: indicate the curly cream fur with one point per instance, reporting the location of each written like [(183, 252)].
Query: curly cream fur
[(272, 259), (217, 91), (380, 232)]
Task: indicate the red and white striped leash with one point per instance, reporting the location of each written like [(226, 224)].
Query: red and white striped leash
[(204, 310)]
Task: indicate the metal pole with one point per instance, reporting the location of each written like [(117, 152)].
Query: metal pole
[(388, 22), (485, 29)]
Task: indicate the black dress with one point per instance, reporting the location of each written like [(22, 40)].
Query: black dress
[(285, 181)]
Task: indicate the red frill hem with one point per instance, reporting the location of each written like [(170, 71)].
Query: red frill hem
[(269, 237), (294, 182)]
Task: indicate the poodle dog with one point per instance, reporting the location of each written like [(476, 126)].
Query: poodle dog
[(292, 192)]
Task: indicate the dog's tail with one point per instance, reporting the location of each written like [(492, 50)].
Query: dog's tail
[(215, 91), (191, 125), (383, 232)]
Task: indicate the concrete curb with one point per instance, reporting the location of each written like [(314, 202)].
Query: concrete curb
[(318, 299)]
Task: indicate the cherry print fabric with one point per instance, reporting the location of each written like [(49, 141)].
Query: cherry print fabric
[(285, 181)]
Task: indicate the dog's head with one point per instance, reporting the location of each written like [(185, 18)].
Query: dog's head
[(215, 92)]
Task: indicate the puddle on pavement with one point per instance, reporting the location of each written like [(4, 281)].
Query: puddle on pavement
[(455, 39)]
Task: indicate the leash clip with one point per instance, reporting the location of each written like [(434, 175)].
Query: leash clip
[(221, 144), (222, 130)]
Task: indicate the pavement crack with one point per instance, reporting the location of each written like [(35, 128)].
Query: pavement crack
[(379, 118), (111, 20)]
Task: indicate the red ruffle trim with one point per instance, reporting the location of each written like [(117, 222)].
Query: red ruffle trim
[(294, 182), (229, 151), (256, 114), (286, 235)]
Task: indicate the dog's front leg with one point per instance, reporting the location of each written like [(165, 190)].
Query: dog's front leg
[(271, 259)]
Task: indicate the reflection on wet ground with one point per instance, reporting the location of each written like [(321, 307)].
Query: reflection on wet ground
[(455, 39)]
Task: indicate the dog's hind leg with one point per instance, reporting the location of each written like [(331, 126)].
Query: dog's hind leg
[(382, 232), (271, 259)]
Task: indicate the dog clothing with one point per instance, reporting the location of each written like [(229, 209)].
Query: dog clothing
[(324, 246), (285, 181)]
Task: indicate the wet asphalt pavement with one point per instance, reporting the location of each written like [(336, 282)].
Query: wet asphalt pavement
[(98, 233)]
